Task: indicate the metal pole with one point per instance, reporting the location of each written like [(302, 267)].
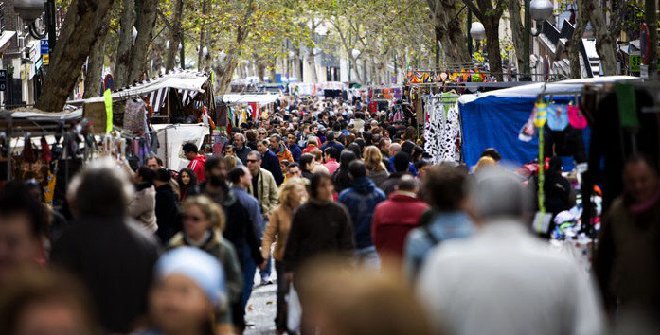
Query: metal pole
[(651, 21), (52, 27), (469, 25), (525, 75)]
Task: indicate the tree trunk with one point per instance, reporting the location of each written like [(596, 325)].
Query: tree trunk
[(176, 34), (95, 66), (518, 36), (449, 32), (82, 26), (145, 27), (575, 43), (231, 60), (493, 47), (125, 44), (605, 42), (201, 57)]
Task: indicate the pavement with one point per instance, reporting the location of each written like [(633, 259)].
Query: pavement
[(261, 309)]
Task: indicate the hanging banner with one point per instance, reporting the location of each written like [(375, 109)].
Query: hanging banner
[(107, 97)]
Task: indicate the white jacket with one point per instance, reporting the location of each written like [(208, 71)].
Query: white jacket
[(142, 208)]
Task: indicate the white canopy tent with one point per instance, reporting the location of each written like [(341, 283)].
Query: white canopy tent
[(261, 99)]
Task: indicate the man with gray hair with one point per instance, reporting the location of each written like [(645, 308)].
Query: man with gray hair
[(112, 256), (503, 280)]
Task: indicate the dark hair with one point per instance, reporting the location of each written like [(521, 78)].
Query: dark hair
[(293, 165), (28, 287), (642, 158), (315, 182), (146, 174), (356, 149), (421, 164), (401, 162), (15, 199), (163, 175), (346, 157), (190, 147), (158, 160), (444, 187), (305, 159), (361, 142), (408, 147), (492, 153), (234, 176), (330, 136), (213, 161), (103, 193), (332, 152), (357, 169), (191, 175)]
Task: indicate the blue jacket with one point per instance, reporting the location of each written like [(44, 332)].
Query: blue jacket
[(361, 200), (421, 240), (411, 167), (295, 152), (252, 206), (270, 162), (334, 144)]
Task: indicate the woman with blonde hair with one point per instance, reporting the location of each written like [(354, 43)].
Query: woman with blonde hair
[(203, 223), (483, 163), (292, 194), (231, 162), (376, 171)]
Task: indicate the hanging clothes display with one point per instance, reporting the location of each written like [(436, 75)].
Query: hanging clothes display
[(442, 128)]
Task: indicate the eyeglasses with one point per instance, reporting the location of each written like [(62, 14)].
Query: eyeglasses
[(252, 160)]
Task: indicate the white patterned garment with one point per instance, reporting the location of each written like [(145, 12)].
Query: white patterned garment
[(442, 129)]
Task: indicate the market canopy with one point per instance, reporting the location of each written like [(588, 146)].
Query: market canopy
[(187, 83), (248, 98), (494, 119)]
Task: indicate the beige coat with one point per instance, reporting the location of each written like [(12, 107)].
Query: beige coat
[(267, 191), (277, 230), (142, 208)]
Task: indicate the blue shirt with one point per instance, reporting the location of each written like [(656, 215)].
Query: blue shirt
[(444, 226)]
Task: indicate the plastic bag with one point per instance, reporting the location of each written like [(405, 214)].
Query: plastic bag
[(294, 310)]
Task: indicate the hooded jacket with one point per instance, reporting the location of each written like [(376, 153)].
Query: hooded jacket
[(361, 200), (197, 165)]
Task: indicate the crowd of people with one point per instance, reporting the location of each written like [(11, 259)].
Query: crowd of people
[(345, 208)]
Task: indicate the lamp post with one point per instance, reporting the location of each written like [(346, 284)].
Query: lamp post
[(539, 11), (30, 11), (478, 32)]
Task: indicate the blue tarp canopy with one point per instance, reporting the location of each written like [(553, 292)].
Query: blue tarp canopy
[(494, 119)]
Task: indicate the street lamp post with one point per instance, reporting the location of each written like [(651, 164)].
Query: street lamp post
[(478, 32), (539, 11), (30, 11)]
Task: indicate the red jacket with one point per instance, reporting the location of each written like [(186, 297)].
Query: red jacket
[(197, 165), (392, 221)]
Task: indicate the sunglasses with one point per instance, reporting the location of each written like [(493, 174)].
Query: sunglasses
[(252, 160)]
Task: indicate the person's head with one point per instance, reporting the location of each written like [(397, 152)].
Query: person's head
[(321, 187), (190, 150), (215, 170), (422, 166), (187, 177), (262, 134), (640, 179), (342, 299), (254, 161), (239, 140), (444, 187), (293, 193), (318, 156), (104, 191), (330, 137), (356, 149), (408, 183), (251, 135), (22, 227), (262, 146), (394, 149), (492, 153), (274, 142), (384, 144), (162, 177), (356, 169), (373, 159), (294, 170), (345, 158), (331, 153), (483, 163), (228, 150), (201, 214), (154, 163), (240, 176), (291, 139), (401, 162), (487, 200), (43, 302), (313, 141), (143, 175), (306, 162), (408, 147), (187, 291)]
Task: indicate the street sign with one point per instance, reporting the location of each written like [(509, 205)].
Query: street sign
[(3, 80), (44, 47), (635, 62)]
